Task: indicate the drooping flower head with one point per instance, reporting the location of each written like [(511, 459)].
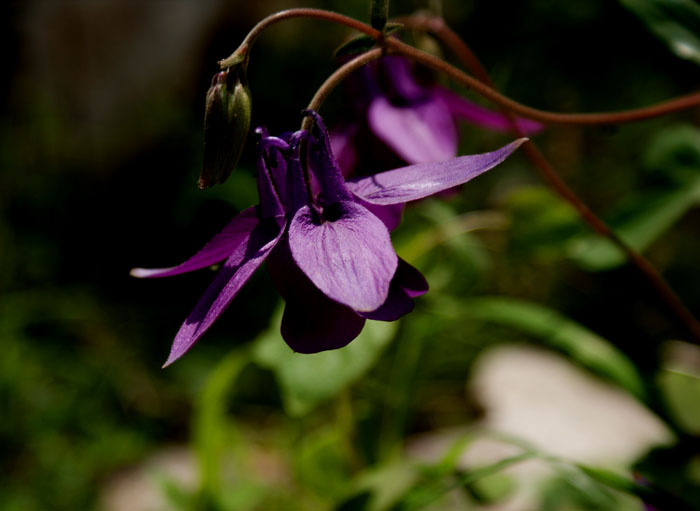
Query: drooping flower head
[(329, 253)]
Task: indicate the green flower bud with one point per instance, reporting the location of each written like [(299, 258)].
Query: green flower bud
[(226, 124)]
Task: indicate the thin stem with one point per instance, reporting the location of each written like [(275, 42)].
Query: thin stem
[(625, 116), (338, 76), (681, 103), (241, 52), (438, 27)]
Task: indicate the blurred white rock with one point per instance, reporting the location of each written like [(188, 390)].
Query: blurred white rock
[(540, 398)]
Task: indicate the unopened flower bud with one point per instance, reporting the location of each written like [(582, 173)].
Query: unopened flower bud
[(226, 123)]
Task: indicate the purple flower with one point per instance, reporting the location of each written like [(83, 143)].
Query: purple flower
[(330, 255), (419, 123)]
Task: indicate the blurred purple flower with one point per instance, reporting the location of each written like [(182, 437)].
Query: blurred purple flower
[(330, 256), (418, 123)]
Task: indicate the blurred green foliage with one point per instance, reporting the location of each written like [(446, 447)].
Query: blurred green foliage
[(100, 146)]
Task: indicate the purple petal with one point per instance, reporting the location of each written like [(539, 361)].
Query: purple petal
[(410, 280), (418, 133), (347, 255), (236, 271), (343, 148), (407, 283), (272, 172), (216, 250), (312, 322), (324, 165), (476, 114), (401, 79), (424, 179), (391, 215)]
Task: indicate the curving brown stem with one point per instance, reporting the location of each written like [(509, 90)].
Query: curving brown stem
[(455, 43), (478, 86), (338, 76)]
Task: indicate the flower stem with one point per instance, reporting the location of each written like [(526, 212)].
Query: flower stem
[(438, 27), (338, 76), (588, 119), (674, 105), (241, 53)]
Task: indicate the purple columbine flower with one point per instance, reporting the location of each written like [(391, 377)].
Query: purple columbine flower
[(330, 255), (419, 123)]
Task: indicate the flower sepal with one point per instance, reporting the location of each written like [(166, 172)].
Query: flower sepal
[(226, 125)]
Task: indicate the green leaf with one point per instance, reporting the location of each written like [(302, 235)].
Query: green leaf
[(214, 432), (675, 151), (584, 346), (641, 220), (320, 464), (682, 392), (542, 223), (675, 22), (308, 380), (421, 496)]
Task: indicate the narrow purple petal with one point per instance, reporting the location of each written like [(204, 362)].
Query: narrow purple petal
[(347, 254), (324, 165), (216, 250), (418, 181), (312, 322), (270, 204), (272, 172), (476, 114), (296, 187), (421, 132), (407, 283), (236, 271)]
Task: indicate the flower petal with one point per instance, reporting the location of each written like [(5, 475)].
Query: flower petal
[(476, 114), (391, 215), (347, 255), (407, 283), (400, 78), (216, 250), (236, 271), (421, 132), (323, 163), (410, 280), (312, 322), (343, 147), (424, 179)]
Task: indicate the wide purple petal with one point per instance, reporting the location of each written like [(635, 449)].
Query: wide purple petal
[(312, 322), (420, 132), (391, 215), (216, 250), (418, 181), (347, 254), (476, 114), (410, 280), (407, 283), (235, 272)]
